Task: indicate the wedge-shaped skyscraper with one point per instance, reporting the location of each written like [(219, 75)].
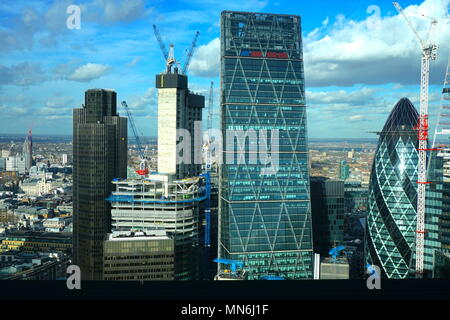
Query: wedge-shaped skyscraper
[(265, 216), (391, 223)]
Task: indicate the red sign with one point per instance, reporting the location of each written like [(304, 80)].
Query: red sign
[(269, 54), (255, 54), (279, 55)]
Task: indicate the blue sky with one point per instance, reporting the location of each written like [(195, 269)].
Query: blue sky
[(358, 64)]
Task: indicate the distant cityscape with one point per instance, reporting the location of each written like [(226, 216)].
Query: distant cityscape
[(37, 207)]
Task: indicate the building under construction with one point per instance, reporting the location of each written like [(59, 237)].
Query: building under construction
[(169, 200), (158, 203)]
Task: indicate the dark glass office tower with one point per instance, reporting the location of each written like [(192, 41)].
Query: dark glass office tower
[(99, 155), (391, 222), (327, 203), (265, 217)]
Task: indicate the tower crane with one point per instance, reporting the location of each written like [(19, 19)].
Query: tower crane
[(169, 55), (207, 173), (207, 240), (209, 127), (429, 52), (190, 53), (160, 42), (143, 169)]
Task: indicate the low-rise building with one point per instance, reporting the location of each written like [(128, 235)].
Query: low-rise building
[(16, 265), (31, 242), (38, 186), (334, 269), (138, 256)]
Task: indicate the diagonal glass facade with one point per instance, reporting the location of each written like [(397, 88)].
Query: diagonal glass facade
[(435, 205), (391, 223), (265, 218)]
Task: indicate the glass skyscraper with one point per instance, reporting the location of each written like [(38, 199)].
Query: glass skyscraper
[(265, 217), (327, 204), (437, 214), (99, 155), (391, 222)]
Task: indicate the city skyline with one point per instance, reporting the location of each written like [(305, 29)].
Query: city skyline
[(40, 83), (319, 161)]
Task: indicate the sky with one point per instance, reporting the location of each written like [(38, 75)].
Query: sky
[(360, 58)]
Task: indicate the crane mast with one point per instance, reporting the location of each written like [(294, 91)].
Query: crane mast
[(143, 169), (209, 126), (429, 52), (207, 174), (190, 53)]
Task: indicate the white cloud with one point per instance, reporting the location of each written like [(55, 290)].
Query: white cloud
[(356, 117), (361, 96), (206, 60), (113, 11), (89, 72), (133, 62), (219, 5), (145, 104), (12, 112), (22, 74), (350, 52)]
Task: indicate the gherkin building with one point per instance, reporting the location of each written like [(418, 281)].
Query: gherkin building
[(391, 222)]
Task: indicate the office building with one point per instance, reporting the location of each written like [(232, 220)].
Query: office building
[(38, 186), (99, 156), (31, 242), (17, 265), (441, 269), (64, 159), (436, 206), (351, 154), (444, 218), (159, 203), (2, 164), (179, 110), (265, 216), (355, 196), (344, 170), (16, 163), (327, 206), (208, 268), (391, 222), (334, 269), (138, 256), (5, 153)]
